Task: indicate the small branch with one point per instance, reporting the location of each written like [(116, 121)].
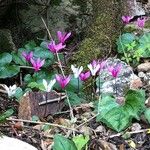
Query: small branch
[(132, 132), (50, 36), (87, 121), (52, 100), (39, 122)]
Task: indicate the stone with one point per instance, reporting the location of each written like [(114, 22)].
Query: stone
[(8, 143), (6, 44), (144, 67)]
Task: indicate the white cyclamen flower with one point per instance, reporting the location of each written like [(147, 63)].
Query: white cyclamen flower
[(94, 67), (76, 71), (11, 90), (49, 86)]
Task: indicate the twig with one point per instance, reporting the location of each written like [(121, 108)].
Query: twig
[(52, 100), (132, 132), (39, 122), (87, 121), (50, 36)]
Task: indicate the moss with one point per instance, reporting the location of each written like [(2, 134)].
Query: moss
[(101, 34)]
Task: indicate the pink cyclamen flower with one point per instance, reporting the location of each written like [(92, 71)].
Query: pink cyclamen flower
[(63, 81), (84, 75), (62, 37), (27, 56), (37, 64), (126, 19), (115, 70), (94, 67), (141, 22), (54, 48)]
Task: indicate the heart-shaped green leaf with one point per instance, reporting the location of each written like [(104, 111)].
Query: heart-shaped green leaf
[(5, 58), (62, 143), (9, 71), (119, 117)]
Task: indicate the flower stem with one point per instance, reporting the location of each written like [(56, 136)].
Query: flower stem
[(116, 86), (99, 82), (62, 71), (61, 68), (78, 85), (26, 67)]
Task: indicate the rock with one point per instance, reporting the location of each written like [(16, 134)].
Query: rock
[(136, 84), (144, 67), (8, 143), (135, 127), (147, 102), (142, 75), (6, 44), (121, 83)]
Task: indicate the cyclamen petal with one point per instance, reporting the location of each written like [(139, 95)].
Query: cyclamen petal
[(63, 81), (62, 37), (115, 70), (54, 48), (37, 64), (141, 22), (126, 19), (49, 86), (94, 67), (76, 71), (27, 56), (84, 75)]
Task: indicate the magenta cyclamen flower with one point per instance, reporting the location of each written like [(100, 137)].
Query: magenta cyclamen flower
[(115, 70), (54, 48), (63, 81), (62, 37), (84, 75), (141, 22), (27, 56), (37, 64), (126, 19)]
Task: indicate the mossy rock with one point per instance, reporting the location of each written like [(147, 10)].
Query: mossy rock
[(101, 35), (6, 44)]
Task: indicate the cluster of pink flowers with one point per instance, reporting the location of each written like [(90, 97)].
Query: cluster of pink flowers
[(140, 21), (95, 67), (36, 63)]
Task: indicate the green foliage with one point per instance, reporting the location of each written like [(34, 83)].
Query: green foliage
[(62, 143), (8, 71), (80, 141), (18, 94), (74, 98), (5, 58), (144, 44), (77, 142), (132, 48), (147, 114), (123, 40), (6, 114), (119, 117), (73, 85), (35, 118)]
